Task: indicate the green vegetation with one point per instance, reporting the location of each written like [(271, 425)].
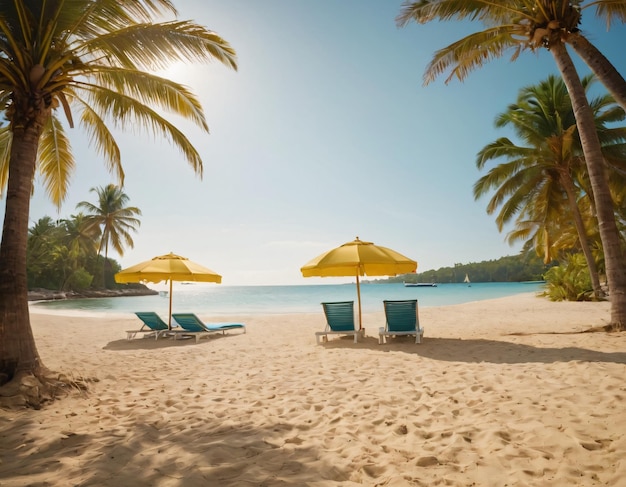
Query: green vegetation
[(523, 267), (92, 63), (113, 221), (514, 27), (57, 259), (66, 255), (542, 188), (569, 281)]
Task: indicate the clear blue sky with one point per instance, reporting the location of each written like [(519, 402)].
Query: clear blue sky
[(326, 132)]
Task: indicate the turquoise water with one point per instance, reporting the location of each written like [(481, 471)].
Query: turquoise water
[(228, 300)]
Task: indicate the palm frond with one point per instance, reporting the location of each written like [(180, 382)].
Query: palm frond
[(56, 161), (102, 139), (155, 46), (6, 136), (607, 9), (424, 11), (471, 52), (10, 75), (502, 147), (153, 90), (127, 111)]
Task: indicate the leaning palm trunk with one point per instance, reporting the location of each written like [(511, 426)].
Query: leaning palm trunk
[(582, 237), (614, 257), (18, 353), (600, 65)]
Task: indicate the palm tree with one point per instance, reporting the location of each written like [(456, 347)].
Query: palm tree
[(93, 61), (42, 246), (520, 25), (80, 240), (111, 219), (542, 177)]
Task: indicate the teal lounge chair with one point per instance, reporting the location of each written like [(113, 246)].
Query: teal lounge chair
[(401, 319), (339, 321), (153, 325), (191, 325)]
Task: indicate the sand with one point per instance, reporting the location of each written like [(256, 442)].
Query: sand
[(506, 392)]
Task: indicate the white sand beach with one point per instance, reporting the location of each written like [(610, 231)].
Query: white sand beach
[(505, 392)]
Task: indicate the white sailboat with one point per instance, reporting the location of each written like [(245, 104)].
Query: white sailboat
[(467, 281)]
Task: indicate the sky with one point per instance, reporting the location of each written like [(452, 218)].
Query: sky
[(325, 133)]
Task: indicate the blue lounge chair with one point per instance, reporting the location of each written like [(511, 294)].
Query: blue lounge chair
[(191, 325), (339, 321), (153, 325), (401, 319)]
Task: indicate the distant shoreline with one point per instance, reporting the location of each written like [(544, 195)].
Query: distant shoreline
[(51, 295)]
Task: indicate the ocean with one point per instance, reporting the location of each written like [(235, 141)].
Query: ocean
[(215, 299)]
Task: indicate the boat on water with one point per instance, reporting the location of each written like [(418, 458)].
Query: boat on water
[(467, 281), (420, 284)]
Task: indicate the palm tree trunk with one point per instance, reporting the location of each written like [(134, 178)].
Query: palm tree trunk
[(601, 67), (582, 236), (104, 266), (18, 352), (614, 257)]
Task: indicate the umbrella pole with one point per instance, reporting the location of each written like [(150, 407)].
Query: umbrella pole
[(169, 324), (358, 293)]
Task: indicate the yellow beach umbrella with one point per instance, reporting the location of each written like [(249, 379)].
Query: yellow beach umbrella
[(169, 267), (359, 258)]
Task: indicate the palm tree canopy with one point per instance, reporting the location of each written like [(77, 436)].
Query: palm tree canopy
[(80, 237), (94, 60), (531, 185), (512, 26), (517, 25), (111, 218)]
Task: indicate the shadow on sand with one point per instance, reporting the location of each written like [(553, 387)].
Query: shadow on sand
[(229, 455), (479, 350), (148, 343)]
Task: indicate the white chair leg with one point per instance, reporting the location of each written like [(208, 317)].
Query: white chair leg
[(418, 336)]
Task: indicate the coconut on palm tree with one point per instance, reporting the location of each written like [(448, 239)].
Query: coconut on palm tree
[(92, 64), (514, 26)]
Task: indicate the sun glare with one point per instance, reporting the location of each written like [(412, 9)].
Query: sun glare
[(178, 71)]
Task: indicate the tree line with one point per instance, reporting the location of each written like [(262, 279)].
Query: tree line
[(526, 266), (72, 254)]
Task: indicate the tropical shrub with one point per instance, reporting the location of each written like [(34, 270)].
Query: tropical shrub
[(79, 280), (569, 281)]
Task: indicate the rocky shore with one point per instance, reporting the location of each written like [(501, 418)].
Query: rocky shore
[(48, 294)]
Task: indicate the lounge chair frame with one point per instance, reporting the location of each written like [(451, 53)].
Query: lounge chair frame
[(401, 319), (192, 326), (339, 321), (153, 325)]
